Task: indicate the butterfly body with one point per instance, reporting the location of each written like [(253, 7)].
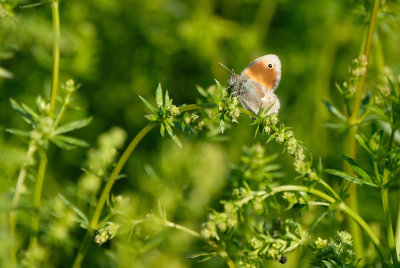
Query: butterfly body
[(256, 84)]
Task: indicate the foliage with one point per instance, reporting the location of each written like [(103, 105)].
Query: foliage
[(239, 189)]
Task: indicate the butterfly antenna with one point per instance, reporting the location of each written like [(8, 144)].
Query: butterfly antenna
[(229, 70)]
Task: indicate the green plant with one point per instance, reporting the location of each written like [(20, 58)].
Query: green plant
[(261, 210)]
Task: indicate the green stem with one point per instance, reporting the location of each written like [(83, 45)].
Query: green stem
[(56, 54), (342, 206), (93, 224), (222, 253), (190, 107), (37, 196), (115, 173), (350, 144), (398, 229), (14, 203), (329, 188), (82, 250), (63, 108), (367, 53), (388, 221)]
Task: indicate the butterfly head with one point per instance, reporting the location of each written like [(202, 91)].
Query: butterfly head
[(233, 79)]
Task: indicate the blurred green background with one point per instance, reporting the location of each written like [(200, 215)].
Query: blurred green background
[(118, 50)]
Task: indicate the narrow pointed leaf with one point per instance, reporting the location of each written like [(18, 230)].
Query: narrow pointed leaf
[(27, 117), (378, 111), (201, 91), (162, 129), (340, 126), (148, 105), (220, 89), (30, 111), (69, 141), (159, 96), (5, 73), (173, 136), (222, 123), (151, 117), (74, 208), (18, 132), (339, 88), (60, 143), (167, 101), (72, 126), (357, 168), (348, 177), (271, 137), (256, 132), (363, 143), (334, 111)]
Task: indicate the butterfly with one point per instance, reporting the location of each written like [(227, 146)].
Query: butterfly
[(256, 84)]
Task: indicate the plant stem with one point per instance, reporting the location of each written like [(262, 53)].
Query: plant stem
[(83, 249), (388, 220), (329, 188), (350, 143), (190, 107), (106, 192), (342, 206), (56, 54), (14, 203), (222, 253), (121, 162), (62, 110), (37, 196), (398, 230)]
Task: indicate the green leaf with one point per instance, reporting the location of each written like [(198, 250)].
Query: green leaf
[(222, 123), (30, 111), (148, 105), (68, 143), (26, 116), (167, 101), (339, 88), (348, 177), (363, 143), (201, 91), (159, 96), (18, 132), (74, 208), (357, 168), (340, 126), (72, 126), (162, 129), (271, 137), (256, 132), (379, 112), (219, 88), (173, 136), (151, 117), (5, 73), (334, 111)]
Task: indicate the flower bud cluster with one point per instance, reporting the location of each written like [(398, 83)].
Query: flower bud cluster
[(193, 120), (338, 250), (229, 106), (106, 233), (219, 223), (172, 110), (262, 245), (357, 70)]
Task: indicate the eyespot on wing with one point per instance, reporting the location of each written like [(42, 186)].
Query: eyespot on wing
[(266, 71)]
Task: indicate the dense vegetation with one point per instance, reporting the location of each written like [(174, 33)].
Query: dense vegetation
[(101, 166)]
